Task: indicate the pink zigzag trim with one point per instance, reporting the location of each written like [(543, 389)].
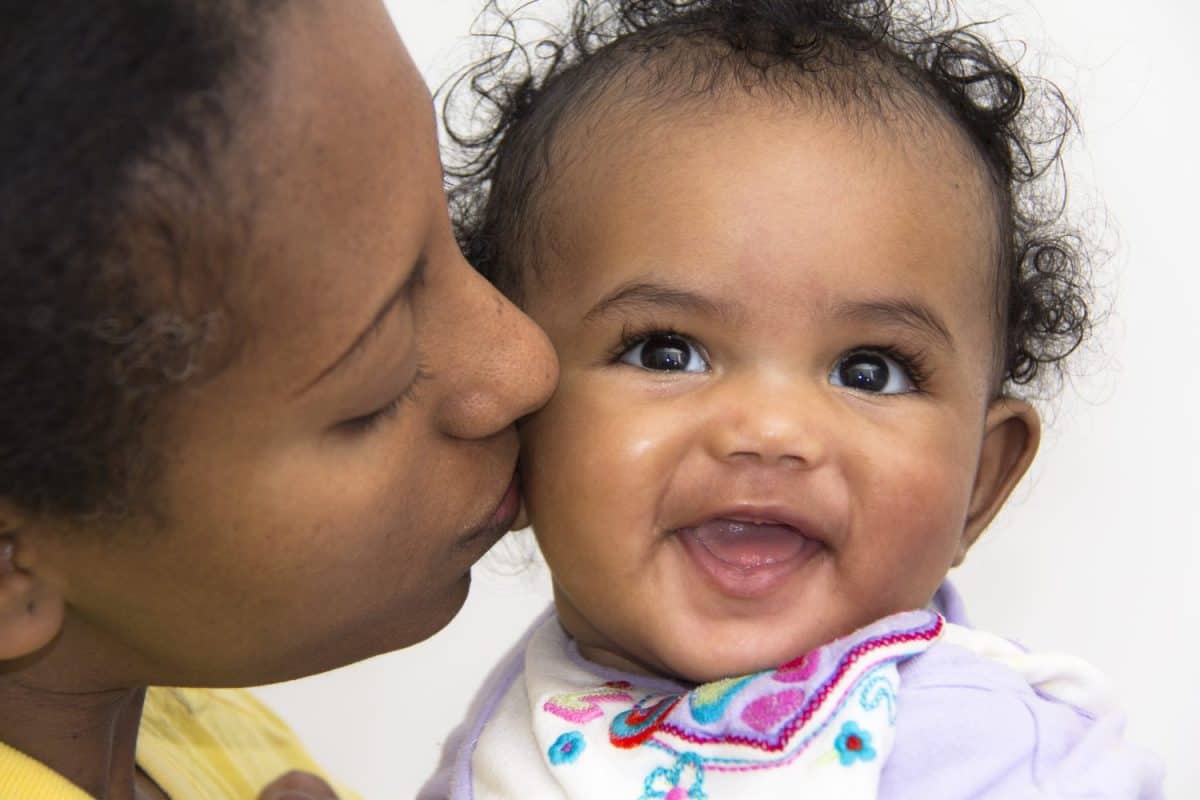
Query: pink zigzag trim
[(818, 699)]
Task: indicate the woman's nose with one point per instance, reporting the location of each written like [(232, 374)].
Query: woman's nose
[(496, 364), (769, 423)]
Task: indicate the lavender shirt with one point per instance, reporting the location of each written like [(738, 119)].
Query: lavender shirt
[(966, 728)]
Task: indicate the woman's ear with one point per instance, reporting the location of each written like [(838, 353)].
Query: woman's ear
[(31, 605), (1012, 432)]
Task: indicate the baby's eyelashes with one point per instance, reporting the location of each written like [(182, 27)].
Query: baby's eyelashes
[(663, 351), (875, 368), (877, 371)]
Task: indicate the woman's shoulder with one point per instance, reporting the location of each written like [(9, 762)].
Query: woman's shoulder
[(229, 715), (225, 742), (29, 779)]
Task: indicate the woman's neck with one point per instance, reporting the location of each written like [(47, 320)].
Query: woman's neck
[(89, 738)]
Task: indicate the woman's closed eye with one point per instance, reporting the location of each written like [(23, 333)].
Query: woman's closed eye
[(370, 421), (663, 351), (878, 370)]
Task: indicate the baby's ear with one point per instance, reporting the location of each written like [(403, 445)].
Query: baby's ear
[(1012, 431), (31, 605)]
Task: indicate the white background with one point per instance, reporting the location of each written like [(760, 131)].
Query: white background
[(1099, 552)]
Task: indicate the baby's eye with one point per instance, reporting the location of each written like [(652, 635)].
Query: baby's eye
[(872, 371), (665, 352)]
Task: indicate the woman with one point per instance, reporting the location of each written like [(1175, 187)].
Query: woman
[(258, 412)]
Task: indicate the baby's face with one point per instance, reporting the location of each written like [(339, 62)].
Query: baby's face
[(775, 420)]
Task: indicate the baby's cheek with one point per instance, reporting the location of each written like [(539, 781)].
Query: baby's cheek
[(932, 510), (576, 459), (597, 471), (914, 509)]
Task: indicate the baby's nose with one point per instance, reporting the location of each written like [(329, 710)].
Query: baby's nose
[(771, 424)]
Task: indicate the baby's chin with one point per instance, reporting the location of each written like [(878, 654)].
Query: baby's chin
[(698, 668), (694, 646), (691, 665)]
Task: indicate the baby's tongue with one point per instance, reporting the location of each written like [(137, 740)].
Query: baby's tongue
[(747, 545)]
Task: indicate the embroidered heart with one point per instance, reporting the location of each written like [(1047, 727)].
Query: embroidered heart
[(766, 712), (708, 701), (799, 670)]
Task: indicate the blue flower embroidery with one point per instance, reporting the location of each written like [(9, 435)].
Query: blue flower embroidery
[(854, 744), (567, 748), (683, 781)]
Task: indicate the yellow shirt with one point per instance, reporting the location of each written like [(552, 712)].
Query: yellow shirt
[(197, 744)]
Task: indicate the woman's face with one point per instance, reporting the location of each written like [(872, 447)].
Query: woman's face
[(324, 496)]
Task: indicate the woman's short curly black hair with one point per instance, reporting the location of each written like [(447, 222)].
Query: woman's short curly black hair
[(877, 55), (110, 211)]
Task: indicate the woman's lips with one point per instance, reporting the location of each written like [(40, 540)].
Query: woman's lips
[(500, 520), (509, 507), (747, 559)]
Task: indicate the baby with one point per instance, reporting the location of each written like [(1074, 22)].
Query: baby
[(794, 260)]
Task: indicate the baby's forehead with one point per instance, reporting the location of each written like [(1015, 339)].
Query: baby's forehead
[(752, 201), (737, 144)]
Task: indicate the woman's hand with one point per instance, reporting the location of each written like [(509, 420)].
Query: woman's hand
[(298, 785)]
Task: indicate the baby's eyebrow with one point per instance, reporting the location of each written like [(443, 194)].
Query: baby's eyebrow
[(643, 295), (909, 313)]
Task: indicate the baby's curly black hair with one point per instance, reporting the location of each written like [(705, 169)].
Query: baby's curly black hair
[(876, 55)]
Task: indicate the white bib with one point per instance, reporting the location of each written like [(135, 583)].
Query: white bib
[(821, 726)]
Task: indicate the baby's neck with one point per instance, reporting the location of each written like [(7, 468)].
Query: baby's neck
[(613, 660)]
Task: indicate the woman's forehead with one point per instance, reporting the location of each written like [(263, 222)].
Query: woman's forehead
[(343, 181)]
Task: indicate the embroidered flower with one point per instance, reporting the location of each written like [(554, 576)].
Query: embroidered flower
[(854, 744), (683, 781), (567, 748)]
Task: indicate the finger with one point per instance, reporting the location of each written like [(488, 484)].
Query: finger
[(297, 785)]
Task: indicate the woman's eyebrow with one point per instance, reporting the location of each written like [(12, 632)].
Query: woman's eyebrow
[(643, 295), (907, 313), (414, 277)]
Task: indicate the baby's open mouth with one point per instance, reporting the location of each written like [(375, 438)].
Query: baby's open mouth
[(749, 546)]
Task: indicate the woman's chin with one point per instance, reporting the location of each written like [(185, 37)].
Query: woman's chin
[(386, 632)]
